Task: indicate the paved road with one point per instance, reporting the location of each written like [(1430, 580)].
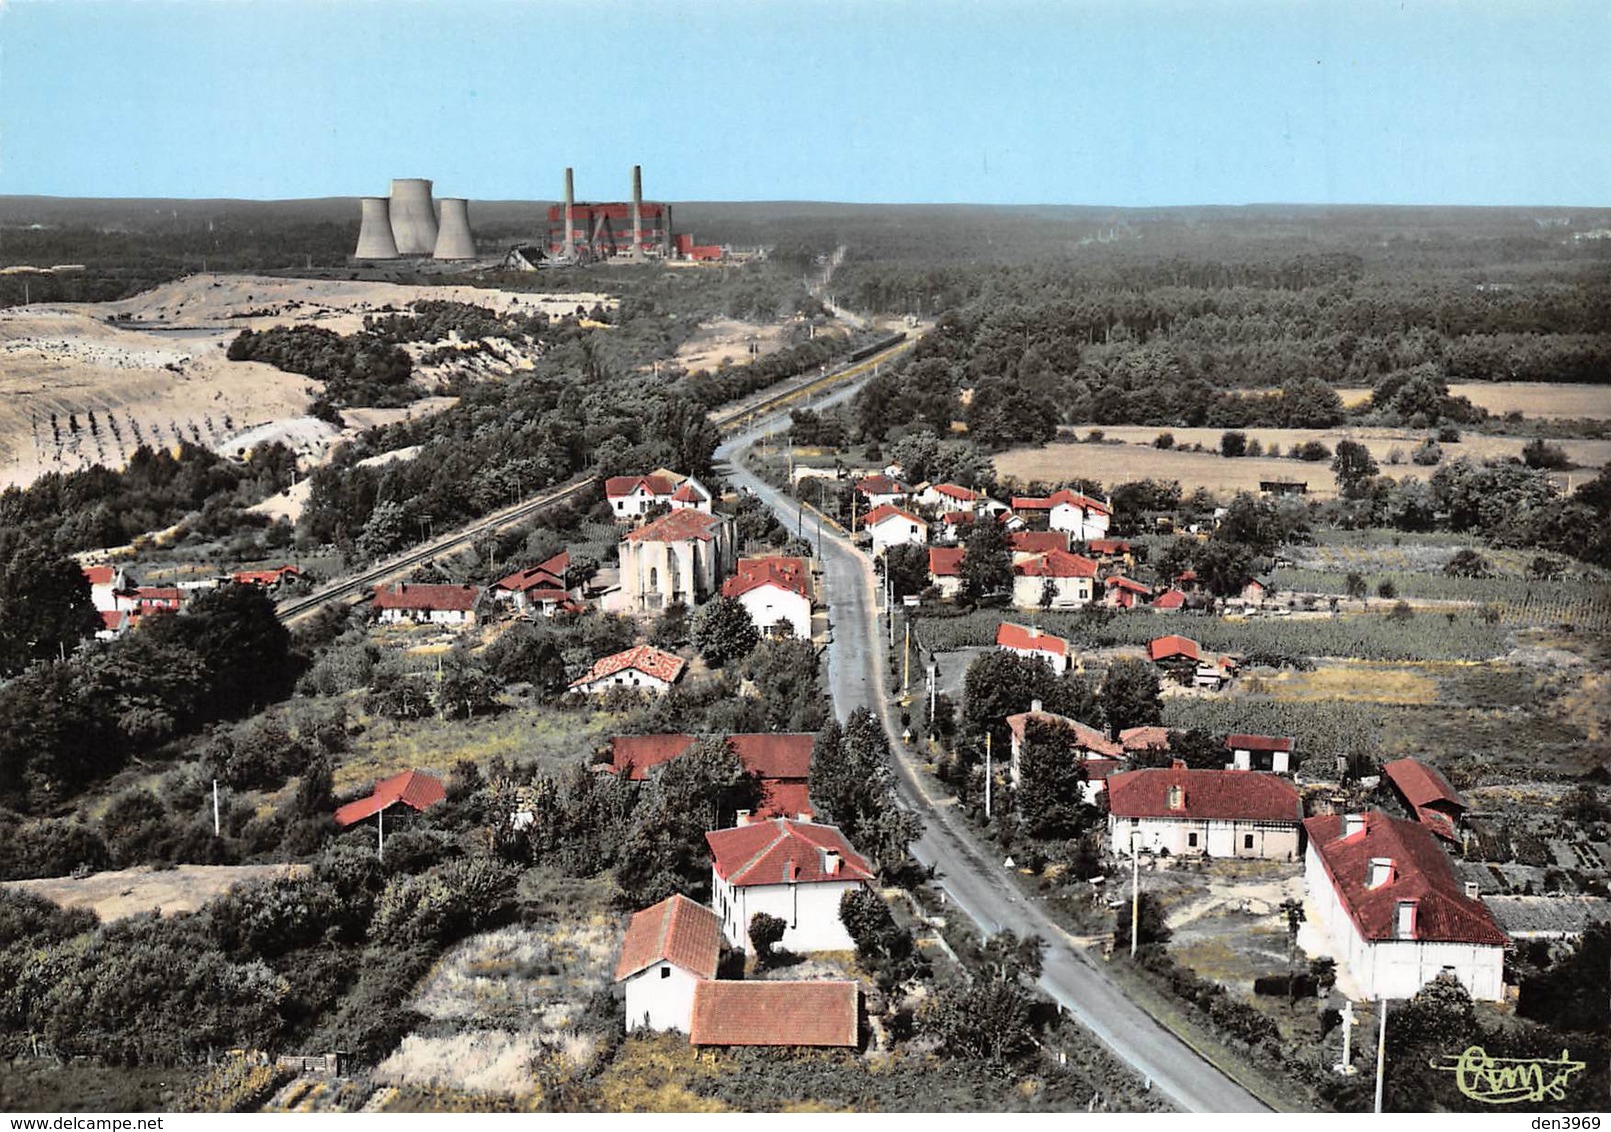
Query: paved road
[(967, 873)]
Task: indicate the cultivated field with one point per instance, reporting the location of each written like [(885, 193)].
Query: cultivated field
[(1530, 398), (1127, 454), (185, 888)]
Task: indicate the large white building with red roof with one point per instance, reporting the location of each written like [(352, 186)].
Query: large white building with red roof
[(1393, 910), (630, 497), (682, 556), (668, 951), (642, 668), (796, 871), (1055, 579), (1082, 517), (427, 604), (890, 526), (1213, 813), (772, 590)]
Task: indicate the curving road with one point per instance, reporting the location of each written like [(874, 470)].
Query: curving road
[(965, 871)]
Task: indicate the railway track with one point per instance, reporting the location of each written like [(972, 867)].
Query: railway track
[(728, 419)]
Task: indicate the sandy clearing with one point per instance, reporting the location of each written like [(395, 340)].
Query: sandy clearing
[(728, 339), (127, 892), (1548, 400)]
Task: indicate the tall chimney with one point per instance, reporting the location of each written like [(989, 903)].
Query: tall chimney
[(568, 248), (637, 212)]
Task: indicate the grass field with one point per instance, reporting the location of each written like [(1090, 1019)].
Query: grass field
[(127, 892), (1550, 401)]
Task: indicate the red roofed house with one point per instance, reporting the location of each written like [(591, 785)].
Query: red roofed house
[(413, 788), (1110, 550), (682, 556), (945, 569), (890, 526), (267, 579), (1081, 516), (1122, 593), (1390, 905), (1270, 753), (1069, 580), (882, 490), (1218, 813), (540, 589), (781, 759), (954, 526), (1027, 544), (631, 496), (436, 605), (1170, 601), (771, 590), (1428, 794), (1184, 660), (776, 1012), (794, 870), (691, 494), (668, 951), (1032, 644), (949, 497), (643, 668), (1097, 753), (1144, 739), (106, 582)]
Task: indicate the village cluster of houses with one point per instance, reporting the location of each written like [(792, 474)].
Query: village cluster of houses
[(122, 601)]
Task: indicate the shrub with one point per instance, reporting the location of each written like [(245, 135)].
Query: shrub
[(1233, 444), (1427, 453), (1313, 451), (1164, 440)]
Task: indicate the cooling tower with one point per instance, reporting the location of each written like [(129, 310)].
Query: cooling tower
[(413, 218), (375, 231), (454, 240)]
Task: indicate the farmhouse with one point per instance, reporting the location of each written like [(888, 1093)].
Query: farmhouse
[(949, 497), (541, 589), (945, 569), (1428, 795), (800, 1012), (1218, 813), (782, 761), (773, 590), (1120, 592), (1080, 516), (426, 604), (1184, 661), (1055, 580), (1389, 903), (882, 491), (630, 497), (682, 556), (643, 668), (668, 951), (1100, 756), (890, 526), (106, 582), (266, 579), (142, 600), (796, 871), (1032, 644), (1270, 753)]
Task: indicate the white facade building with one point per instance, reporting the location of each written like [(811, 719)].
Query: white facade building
[(797, 871), (1211, 813), (669, 950)]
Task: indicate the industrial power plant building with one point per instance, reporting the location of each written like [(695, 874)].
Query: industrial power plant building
[(405, 224), (584, 231)]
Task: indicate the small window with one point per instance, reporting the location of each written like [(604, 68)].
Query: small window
[(1191, 840), (665, 972), (1247, 841)]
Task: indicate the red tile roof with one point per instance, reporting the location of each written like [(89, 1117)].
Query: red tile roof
[(1420, 784), (617, 486), (785, 573), (113, 618), (1240, 742), (545, 574), (265, 577), (1245, 795), (1108, 546), (1011, 636), (779, 851), (412, 788), (1160, 648), (775, 754), (99, 575), (886, 511), (1443, 914), (946, 561), (1438, 823), (413, 595), (678, 526), (676, 930), (1056, 564), (1085, 738), (1144, 738), (785, 800), (817, 1012), (645, 658), (1169, 599), (171, 595), (1038, 542), (640, 754), (1037, 503), (689, 493), (1119, 581), (882, 485), (952, 491)]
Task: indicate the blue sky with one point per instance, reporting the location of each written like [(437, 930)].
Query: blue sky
[(1109, 102)]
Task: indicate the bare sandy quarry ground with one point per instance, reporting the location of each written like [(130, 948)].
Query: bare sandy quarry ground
[(152, 368), (128, 892)]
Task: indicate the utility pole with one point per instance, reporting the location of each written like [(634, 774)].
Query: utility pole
[(1348, 1021), (380, 833), (1135, 889), (906, 670), (216, 824), (990, 774), (1381, 1053)]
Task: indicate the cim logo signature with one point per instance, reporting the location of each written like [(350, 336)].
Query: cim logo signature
[(1509, 1080)]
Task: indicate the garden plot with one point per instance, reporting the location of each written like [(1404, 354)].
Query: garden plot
[(1227, 920)]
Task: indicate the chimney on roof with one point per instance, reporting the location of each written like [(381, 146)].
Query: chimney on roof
[(790, 873), (1177, 797), (743, 817), (1035, 707), (1473, 890), (1404, 919), (830, 862), (1381, 872), (1352, 824)]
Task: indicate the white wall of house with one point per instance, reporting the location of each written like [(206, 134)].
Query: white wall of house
[(949, 585), (635, 504), (660, 997), (429, 616), (1398, 968), (1058, 661), (810, 912), (1067, 593), (1270, 841), (1079, 522), (896, 531), (767, 605), (1280, 761), (626, 678)]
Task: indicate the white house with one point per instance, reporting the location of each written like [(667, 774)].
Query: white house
[(882, 491), (890, 526), (949, 497), (771, 590), (794, 870), (945, 569), (1215, 813), (682, 556), (643, 668), (630, 497), (1391, 907), (1032, 644), (541, 589), (691, 494), (668, 950), (106, 582), (1271, 753), (1081, 516), (1100, 755), (426, 604), (1068, 580)]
